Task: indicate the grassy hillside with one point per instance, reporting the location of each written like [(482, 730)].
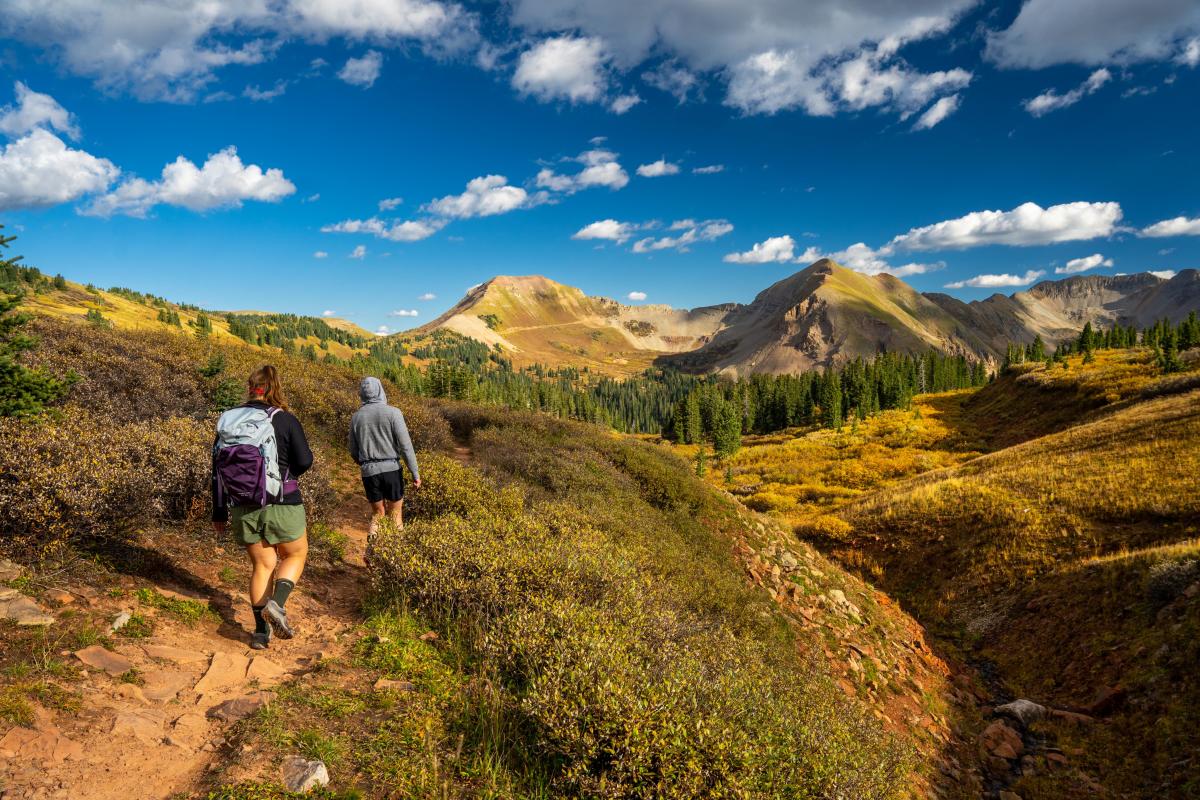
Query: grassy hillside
[(132, 310), (608, 626), (1069, 565)]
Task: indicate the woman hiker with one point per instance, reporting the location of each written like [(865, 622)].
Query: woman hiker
[(378, 440), (259, 452)]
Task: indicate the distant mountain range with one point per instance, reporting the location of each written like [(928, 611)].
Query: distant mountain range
[(825, 314)]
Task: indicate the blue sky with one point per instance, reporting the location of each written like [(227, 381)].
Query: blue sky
[(976, 146)]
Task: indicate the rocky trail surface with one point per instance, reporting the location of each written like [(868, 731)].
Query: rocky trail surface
[(154, 710)]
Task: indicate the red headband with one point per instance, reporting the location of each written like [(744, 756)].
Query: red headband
[(258, 390)]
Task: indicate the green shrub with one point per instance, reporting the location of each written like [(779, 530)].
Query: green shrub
[(616, 626)]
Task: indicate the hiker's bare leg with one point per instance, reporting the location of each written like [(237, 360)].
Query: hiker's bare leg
[(263, 561), (376, 515), (395, 512), (292, 556)]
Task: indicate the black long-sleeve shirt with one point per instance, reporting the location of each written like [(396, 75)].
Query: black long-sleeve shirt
[(294, 456)]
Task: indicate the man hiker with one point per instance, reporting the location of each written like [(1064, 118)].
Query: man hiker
[(378, 439)]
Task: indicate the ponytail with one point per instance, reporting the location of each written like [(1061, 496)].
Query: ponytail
[(264, 387)]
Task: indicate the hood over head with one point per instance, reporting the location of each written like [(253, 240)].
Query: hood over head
[(370, 390)]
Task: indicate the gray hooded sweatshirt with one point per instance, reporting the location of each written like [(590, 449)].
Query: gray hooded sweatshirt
[(378, 435)]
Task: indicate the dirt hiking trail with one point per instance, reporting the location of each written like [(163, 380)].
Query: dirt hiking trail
[(155, 710)]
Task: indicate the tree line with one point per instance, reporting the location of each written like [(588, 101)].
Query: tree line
[(1165, 338)]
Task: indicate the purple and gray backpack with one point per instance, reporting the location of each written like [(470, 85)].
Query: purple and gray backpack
[(246, 460)]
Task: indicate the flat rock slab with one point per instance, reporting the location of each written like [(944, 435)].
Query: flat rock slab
[(163, 684), (99, 658), (24, 611), (190, 728), (176, 654), (386, 684), (265, 670), (225, 670), (140, 723), (240, 707), (8, 570), (27, 743)]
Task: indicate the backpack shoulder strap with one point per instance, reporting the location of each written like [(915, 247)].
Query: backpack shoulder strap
[(271, 412)]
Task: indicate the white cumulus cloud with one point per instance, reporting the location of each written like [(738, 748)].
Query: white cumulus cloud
[(359, 252), (1076, 265), (404, 312), (428, 296), (39, 170), (485, 196), (1027, 224), (600, 169), (328, 312), (35, 110), (606, 229), (773, 249), (563, 68), (687, 233), (320, 254), (395, 231), (997, 281), (1178, 226), (1051, 100), (1165, 274), (362, 71), (637, 296), (711, 169), (657, 169), (389, 203), (222, 182)]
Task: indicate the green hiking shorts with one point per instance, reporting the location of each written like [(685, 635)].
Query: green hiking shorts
[(275, 524)]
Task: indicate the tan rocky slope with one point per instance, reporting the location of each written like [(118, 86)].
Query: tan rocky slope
[(1056, 310), (536, 319), (828, 314), (823, 315)]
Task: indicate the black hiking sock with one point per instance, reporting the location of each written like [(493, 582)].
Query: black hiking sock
[(283, 588), (260, 622)]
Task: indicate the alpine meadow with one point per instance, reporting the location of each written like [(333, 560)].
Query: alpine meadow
[(424, 400)]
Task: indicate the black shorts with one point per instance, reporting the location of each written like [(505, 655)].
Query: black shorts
[(385, 486)]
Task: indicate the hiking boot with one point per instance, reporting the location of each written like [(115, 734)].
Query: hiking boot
[(278, 619), (260, 641)]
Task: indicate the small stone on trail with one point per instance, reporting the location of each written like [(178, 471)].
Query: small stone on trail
[(398, 686), (60, 597), (9, 570), (240, 707), (99, 658), (302, 775), (120, 622)]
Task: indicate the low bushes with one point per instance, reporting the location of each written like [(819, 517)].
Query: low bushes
[(615, 626), (132, 444), (81, 476)]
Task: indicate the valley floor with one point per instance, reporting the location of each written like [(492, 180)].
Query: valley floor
[(1045, 529)]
